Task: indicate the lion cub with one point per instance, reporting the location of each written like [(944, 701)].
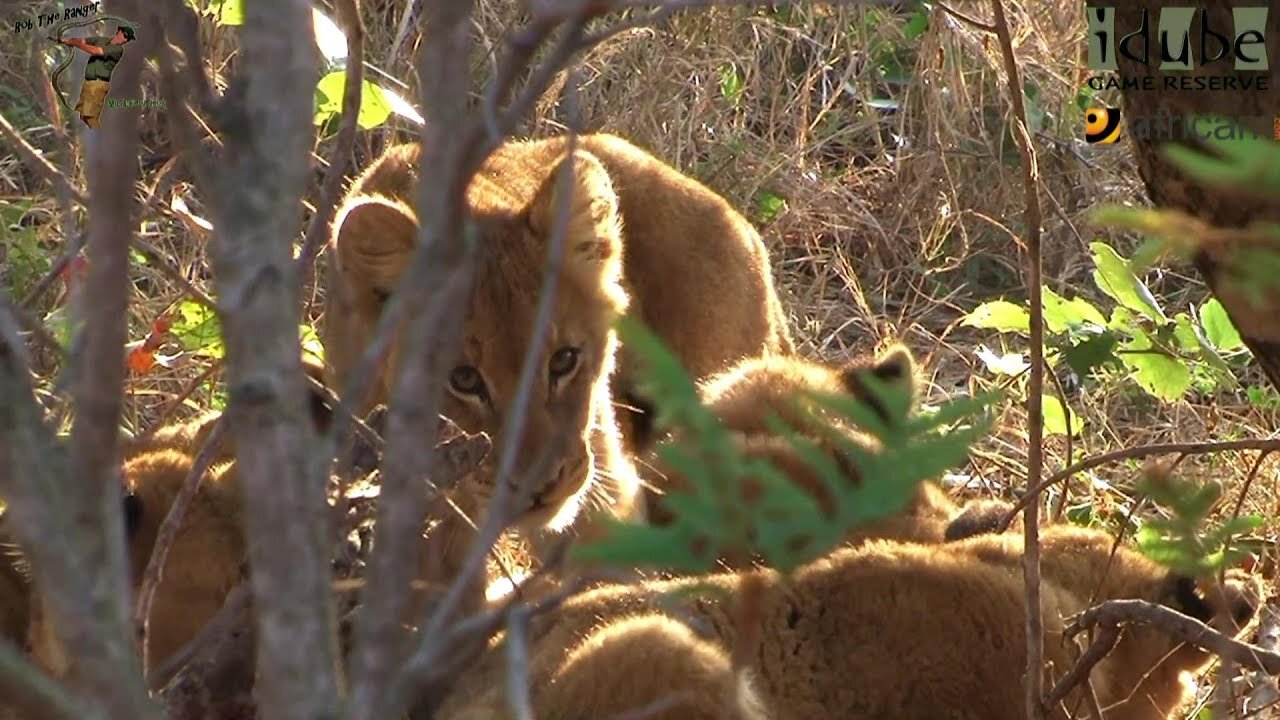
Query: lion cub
[(883, 629), (641, 238), (209, 554), (746, 395)]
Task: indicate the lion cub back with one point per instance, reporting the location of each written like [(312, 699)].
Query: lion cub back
[(745, 398), (902, 630)]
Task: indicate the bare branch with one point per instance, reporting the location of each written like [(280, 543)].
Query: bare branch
[(1113, 613), (436, 280), (153, 574), (318, 231), (1141, 451), (517, 645), (256, 197), (1035, 386), (35, 160)]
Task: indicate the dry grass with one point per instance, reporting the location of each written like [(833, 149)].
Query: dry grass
[(895, 221)]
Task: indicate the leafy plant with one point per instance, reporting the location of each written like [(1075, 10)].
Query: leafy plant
[(731, 84), (782, 524), (1165, 356), (1247, 164), (197, 328), (1187, 541)]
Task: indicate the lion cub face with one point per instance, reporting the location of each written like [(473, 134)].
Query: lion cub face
[(569, 415)]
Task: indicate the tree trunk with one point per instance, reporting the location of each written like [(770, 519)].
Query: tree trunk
[(1255, 108)]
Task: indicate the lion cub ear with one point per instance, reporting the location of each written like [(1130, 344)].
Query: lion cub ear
[(594, 231), (895, 367), (374, 238)]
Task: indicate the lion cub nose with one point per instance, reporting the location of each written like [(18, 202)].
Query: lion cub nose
[(550, 482)]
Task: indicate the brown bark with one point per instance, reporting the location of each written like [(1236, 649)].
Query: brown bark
[(1168, 187)]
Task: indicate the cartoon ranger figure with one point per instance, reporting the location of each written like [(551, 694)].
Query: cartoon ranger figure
[(104, 54)]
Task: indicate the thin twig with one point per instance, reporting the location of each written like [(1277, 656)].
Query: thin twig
[(331, 186), (1193, 448), (36, 161), (176, 401), (1103, 643), (1035, 387), (77, 244), (1180, 627), (968, 19), (168, 531), (517, 647)]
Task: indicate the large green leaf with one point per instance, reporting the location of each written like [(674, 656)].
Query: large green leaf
[(1062, 315), (1160, 375), (197, 328), (1082, 357), (1115, 278), (1218, 328), (374, 108), (1000, 315), (1055, 417)]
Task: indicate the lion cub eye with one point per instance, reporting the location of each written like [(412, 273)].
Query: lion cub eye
[(466, 380), (563, 362)]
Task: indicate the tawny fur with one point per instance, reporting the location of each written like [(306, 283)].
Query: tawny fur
[(704, 685), (888, 629), (744, 397), (209, 554), (641, 237), (206, 560)]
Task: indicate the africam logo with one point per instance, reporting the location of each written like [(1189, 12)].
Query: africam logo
[(1101, 125)]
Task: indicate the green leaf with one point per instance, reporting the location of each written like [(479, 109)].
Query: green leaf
[(1160, 375), (1114, 277), (916, 25), (1083, 357), (731, 84), (197, 329), (311, 344), (1000, 315), (1241, 160), (1218, 328), (374, 108), (1062, 315), (1055, 417), (227, 12), (1031, 102), (769, 205)]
